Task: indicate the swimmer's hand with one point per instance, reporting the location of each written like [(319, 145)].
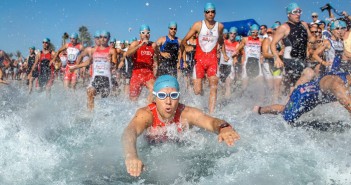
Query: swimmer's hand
[(278, 63), (134, 166), (4, 82), (72, 68), (226, 58), (165, 54), (325, 63), (228, 135)]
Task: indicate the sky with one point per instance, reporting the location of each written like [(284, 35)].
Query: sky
[(25, 23)]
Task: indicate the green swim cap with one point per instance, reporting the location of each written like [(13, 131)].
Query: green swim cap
[(144, 27), (209, 6), (172, 24), (233, 29), (33, 48), (254, 27), (291, 7), (165, 81)]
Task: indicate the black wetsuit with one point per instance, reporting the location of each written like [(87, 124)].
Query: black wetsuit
[(297, 41)]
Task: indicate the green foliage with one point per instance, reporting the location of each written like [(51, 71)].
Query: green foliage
[(84, 36)]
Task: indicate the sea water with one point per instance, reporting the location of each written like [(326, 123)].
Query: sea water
[(55, 141)]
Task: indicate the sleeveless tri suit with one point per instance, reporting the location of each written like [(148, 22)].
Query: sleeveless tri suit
[(101, 71), (157, 133), (169, 65), (142, 69), (72, 55), (206, 52)]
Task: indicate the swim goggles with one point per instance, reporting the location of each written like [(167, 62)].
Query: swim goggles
[(162, 95), (296, 11)]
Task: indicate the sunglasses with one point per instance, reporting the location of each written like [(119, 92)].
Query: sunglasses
[(269, 32), (232, 33), (145, 32), (163, 95), (173, 29), (339, 28), (103, 37), (316, 32), (212, 11), (296, 11), (254, 32), (314, 16), (45, 43)]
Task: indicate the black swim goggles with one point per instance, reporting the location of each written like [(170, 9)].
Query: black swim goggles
[(162, 95)]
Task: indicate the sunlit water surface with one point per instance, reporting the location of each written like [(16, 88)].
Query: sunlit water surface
[(53, 141)]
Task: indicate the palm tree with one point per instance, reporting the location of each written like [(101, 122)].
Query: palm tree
[(84, 36), (65, 36)]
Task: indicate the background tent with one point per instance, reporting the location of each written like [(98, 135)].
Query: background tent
[(242, 25)]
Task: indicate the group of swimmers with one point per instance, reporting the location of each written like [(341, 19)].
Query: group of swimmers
[(314, 68)]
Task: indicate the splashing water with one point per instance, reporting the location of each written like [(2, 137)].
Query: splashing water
[(50, 141)]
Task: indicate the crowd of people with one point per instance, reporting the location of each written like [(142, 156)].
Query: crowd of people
[(308, 61)]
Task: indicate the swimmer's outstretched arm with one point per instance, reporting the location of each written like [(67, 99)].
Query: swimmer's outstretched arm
[(137, 125), (224, 130)]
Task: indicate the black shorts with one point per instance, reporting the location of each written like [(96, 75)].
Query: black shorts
[(102, 85), (252, 67), (293, 70), (167, 68), (224, 72)]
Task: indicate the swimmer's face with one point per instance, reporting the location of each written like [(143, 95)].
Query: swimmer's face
[(339, 32), (210, 15), (145, 35), (172, 31), (167, 107)]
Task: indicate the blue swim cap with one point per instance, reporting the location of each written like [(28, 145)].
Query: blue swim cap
[(144, 27), (233, 29), (291, 7), (275, 26), (97, 34), (225, 31), (74, 35), (171, 24), (122, 41), (209, 6), (337, 24), (132, 40), (238, 38), (165, 81), (254, 27), (46, 40), (113, 40), (105, 33), (33, 48)]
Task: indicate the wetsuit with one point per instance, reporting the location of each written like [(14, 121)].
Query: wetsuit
[(206, 51), (168, 66), (31, 61), (142, 69), (157, 132), (306, 97), (101, 71), (295, 52)]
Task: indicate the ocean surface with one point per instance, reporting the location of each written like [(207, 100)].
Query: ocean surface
[(55, 141)]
